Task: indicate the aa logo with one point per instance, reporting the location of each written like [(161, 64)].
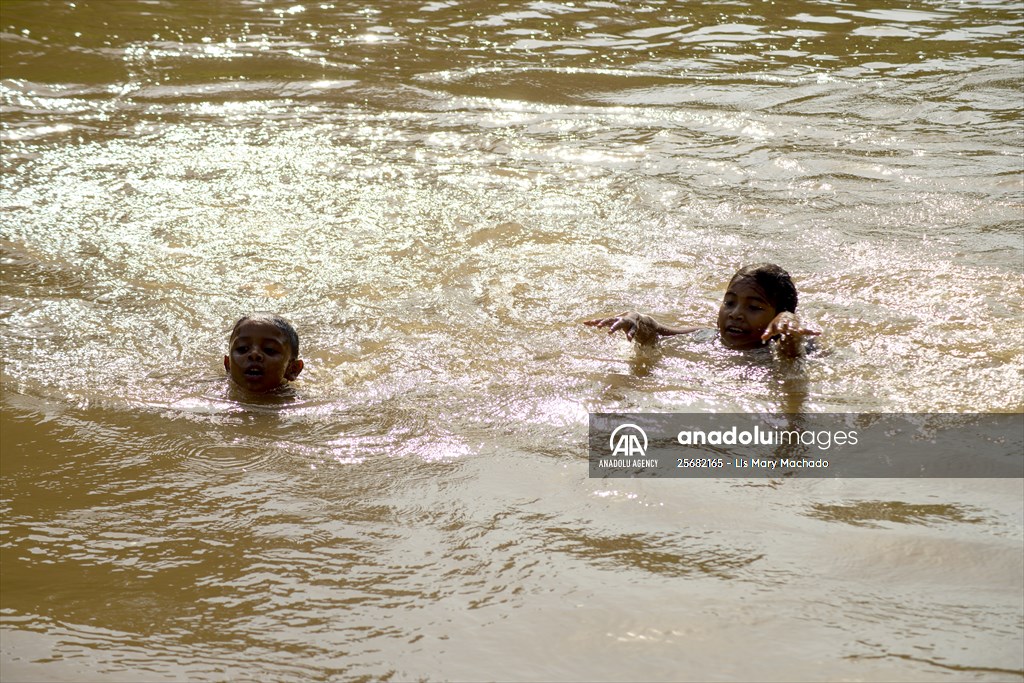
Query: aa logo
[(628, 441)]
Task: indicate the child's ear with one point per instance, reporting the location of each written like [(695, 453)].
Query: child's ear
[(294, 368), (227, 364)]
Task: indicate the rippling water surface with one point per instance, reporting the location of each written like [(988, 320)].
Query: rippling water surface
[(437, 194)]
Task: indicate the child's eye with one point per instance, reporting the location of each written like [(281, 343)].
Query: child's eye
[(241, 349), (270, 351)]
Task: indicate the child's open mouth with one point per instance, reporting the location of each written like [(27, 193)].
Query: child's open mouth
[(732, 329), (254, 372)]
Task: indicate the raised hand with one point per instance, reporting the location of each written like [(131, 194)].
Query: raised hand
[(643, 328), (787, 324)]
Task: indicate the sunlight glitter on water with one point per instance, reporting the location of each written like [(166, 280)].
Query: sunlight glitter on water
[(437, 195)]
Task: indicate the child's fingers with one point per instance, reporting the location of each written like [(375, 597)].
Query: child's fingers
[(603, 322), (620, 322), (784, 328)]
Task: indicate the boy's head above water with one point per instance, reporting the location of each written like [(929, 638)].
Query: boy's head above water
[(754, 297), (263, 353)]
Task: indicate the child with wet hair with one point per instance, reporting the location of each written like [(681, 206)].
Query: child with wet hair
[(263, 353), (759, 307)]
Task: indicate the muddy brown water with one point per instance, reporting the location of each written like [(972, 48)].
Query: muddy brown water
[(437, 194)]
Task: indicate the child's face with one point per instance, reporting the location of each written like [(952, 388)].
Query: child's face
[(260, 357), (744, 315)]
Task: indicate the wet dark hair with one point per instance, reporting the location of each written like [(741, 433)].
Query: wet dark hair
[(776, 283), (277, 321)]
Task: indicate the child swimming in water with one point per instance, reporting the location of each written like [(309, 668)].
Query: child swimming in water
[(759, 306), (263, 353)]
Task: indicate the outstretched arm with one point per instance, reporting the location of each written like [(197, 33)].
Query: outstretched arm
[(637, 326), (791, 333)]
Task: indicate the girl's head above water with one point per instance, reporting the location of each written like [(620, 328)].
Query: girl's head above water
[(774, 281), (759, 306), (754, 299)]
